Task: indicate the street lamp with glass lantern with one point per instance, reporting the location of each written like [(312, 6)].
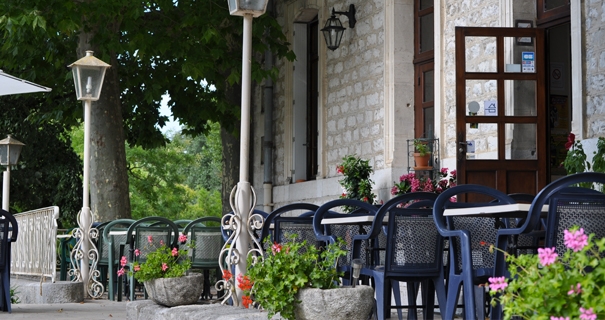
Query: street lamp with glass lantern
[(88, 74), (10, 149), (244, 199)]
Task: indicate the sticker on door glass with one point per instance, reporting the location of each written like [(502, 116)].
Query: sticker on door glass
[(528, 62), (490, 107)]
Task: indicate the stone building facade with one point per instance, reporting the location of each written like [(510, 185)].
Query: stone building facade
[(365, 89)]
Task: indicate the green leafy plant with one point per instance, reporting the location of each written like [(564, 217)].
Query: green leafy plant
[(164, 262), (13, 293), (576, 159), (274, 281), (421, 147), (356, 183), (559, 286)]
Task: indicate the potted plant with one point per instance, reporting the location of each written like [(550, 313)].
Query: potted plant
[(165, 275), (356, 183), (551, 285), (279, 283), (422, 155)]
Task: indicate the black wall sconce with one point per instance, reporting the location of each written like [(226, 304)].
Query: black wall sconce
[(333, 30)]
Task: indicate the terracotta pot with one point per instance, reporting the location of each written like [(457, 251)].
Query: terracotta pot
[(171, 292), (422, 162)]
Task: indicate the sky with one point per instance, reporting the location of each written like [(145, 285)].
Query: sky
[(171, 126)]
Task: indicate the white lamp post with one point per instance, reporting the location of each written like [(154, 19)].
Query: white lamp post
[(88, 74), (10, 149), (244, 200)]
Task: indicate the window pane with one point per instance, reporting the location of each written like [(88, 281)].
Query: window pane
[(520, 141), (552, 4), (429, 86), (427, 33), (482, 141), (429, 122), (425, 4), (520, 97), (482, 97), (481, 54)]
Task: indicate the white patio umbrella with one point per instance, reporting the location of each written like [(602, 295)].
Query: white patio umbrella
[(13, 85)]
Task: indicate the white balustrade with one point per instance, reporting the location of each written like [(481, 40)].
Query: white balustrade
[(35, 251)]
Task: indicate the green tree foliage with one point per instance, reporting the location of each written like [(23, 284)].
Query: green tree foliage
[(48, 172), (169, 181), (188, 49)]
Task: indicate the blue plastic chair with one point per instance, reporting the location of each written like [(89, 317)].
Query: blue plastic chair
[(8, 225), (329, 233), (414, 254), (470, 262), (227, 233), (570, 205), (294, 218)]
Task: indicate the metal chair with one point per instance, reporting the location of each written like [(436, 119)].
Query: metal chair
[(110, 248), (205, 234), (292, 219), (147, 238), (414, 253), (8, 234), (470, 262)]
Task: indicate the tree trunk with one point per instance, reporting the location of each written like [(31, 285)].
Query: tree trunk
[(231, 151), (109, 194)]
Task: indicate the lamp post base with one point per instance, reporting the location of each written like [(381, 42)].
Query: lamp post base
[(85, 256)]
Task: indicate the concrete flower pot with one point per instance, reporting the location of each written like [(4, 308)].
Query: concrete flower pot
[(344, 303), (171, 292)]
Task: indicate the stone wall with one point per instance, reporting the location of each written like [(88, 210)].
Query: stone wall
[(593, 25)]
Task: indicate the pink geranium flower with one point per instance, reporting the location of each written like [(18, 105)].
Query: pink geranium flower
[(576, 290), (137, 252), (575, 240), (175, 252), (275, 248), (182, 238), (121, 272), (559, 318), (164, 266), (497, 283), (547, 256), (137, 267), (149, 239), (587, 314), (123, 261)]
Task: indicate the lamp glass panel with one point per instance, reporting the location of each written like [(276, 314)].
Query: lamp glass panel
[(254, 5), (13, 152), (88, 81)]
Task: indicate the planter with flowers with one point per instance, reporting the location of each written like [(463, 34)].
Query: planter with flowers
[(297, 279), (356, 183), (412, 182), (165, 275), (576, 159), (422, 155), (555, 286)]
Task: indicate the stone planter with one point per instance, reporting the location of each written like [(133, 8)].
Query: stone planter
[(172, 292), (344, 303)]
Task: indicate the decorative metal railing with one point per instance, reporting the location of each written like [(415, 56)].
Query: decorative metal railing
[(35, 251)]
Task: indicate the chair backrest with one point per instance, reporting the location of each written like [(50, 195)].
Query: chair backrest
[(110, 243), (329, 233), (294, 218), (479, 230), (414, 246), (8, 233), (206, 236), (570, 205), (150, 233)]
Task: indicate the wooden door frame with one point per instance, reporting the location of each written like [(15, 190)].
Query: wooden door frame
[(462, 118)]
